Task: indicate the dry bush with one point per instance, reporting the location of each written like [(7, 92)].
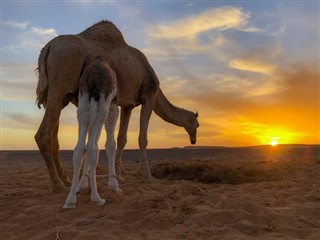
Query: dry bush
[(221, 172)]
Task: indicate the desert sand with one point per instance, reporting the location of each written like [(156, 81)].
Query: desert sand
[(203, 193)]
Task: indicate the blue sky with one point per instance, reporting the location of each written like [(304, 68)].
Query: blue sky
[(251, 68)]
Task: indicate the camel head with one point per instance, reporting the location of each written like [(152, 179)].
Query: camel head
[(192, 126)]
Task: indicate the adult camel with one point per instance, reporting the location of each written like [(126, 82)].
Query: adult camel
[(60, 65)]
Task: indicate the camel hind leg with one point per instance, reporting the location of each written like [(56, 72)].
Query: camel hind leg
[(102, 108), (43, 139), (122, 139), (145, 115), (111, 146), (79, 150), (47, 139), (55, 155)]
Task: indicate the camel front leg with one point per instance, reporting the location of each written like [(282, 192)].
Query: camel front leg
[(43, 139), (122, 138), (145, 114), (111, 146)]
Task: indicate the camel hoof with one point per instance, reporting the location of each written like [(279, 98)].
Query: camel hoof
[(67, 183), (113, 184), (149, 179), (65, 179), (120, 178), (115, 189), (69, 206), (58, 187), (99, 202)]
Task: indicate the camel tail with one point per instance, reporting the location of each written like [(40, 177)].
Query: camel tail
[(42, 87)]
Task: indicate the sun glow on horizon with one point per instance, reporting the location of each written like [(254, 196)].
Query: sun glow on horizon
[(270, 135), (274, 143)]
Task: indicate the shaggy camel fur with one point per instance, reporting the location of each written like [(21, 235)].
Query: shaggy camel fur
[(97, 105), (60, 65)]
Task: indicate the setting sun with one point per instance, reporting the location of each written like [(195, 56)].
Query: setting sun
[(273, 143)]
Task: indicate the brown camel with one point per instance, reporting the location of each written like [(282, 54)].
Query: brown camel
[(60, 66)]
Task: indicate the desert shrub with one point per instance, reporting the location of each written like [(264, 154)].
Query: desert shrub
[(220, 173)]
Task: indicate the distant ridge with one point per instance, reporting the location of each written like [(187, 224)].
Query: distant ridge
[(254, 146)]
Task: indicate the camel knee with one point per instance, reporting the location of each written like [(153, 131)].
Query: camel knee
[(42, 140)]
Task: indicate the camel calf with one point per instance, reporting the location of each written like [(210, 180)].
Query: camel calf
[(97, 105)]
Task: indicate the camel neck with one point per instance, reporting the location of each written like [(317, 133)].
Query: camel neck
[(170, 113)]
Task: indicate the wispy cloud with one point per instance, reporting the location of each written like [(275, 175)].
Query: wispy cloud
[(27, 36), (19, 81), (252, 65), (173, 84), (22, 118), (287, 106), (201, 33), (265, 134), (87, 2), (213, 19), (49, 32), (15, 24)]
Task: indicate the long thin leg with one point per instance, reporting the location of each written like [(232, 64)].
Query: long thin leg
[(78, 154), (93, 149), (83, 183), (93, 158), (55, 155), (122, 137), (43, 139), (111, 145), (145, 114)]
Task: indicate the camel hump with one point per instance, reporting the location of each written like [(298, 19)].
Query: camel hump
[(104, 31)]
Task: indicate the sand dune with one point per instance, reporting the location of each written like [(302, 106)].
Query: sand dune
[(284, 207)]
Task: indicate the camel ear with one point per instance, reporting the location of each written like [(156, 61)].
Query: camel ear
[(196, 114)]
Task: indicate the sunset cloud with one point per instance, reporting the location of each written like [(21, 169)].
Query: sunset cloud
[(15, 81), (200, 33), (282, 106), (265, 134), (213, 19), (252, 65)]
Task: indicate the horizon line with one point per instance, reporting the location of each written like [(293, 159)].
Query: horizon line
[(187, 147)]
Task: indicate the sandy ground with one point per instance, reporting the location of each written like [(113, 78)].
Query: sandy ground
[(287, 207)]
